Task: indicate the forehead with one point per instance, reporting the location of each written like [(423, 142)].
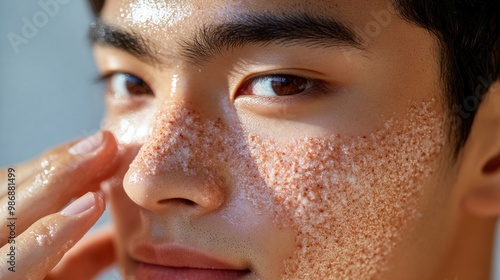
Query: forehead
[(181, 17)]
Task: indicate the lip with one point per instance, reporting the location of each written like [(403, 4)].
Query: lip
[(176, 261), (153, 272)]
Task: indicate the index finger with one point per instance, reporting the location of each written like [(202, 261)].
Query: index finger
[(70, 176)]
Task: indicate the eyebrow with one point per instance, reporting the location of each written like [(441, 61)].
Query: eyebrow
[(103, 34), (297, 29)]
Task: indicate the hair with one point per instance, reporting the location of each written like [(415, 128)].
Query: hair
[(469, 36), (468, 32)]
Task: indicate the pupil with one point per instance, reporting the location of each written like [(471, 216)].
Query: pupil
[(283, 86), (136, 86)]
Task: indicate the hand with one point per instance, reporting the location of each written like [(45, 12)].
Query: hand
[(37, 239), (87, 258)]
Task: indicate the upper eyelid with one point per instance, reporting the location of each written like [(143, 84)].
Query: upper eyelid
[(143, 74), (282, 75), (286, 72), (106, 78), (100, 78)]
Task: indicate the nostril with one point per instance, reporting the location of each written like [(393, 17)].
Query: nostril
[(178, 201), (492, 165)]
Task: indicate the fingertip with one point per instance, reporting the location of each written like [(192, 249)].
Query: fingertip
[(100, 144), (100, 204), (110, 139), (108, 156), (88, 146), (100, 200), (84, 204)]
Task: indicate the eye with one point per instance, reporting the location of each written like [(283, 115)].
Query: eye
[(278, 85), (127, 85)]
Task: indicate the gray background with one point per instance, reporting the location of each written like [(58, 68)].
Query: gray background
[(47, 90)]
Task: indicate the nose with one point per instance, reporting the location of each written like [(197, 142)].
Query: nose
[(179, 165)]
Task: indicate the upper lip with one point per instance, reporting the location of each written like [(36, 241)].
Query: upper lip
[(178, 255)]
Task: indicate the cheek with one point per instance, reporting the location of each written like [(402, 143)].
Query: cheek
[(124, 212), (130, 129), (348, 198)]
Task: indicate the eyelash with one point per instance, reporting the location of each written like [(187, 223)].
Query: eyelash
[(108, 80), (317, 88)]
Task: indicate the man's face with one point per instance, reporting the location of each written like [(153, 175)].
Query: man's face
[(275, 139)]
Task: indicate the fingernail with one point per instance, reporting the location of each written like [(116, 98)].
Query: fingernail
[(87, 145), (80, 205)]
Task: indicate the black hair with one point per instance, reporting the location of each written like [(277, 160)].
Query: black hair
[(469, 36), (468, 32)]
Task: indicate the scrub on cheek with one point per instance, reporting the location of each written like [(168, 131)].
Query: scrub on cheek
[(346, 198), (349, 198)]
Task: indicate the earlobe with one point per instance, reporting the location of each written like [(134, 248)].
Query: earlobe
[(482, 195)]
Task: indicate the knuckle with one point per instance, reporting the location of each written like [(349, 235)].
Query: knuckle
[(52, 167), (45, 232)]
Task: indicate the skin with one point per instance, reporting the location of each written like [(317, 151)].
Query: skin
[(399, 68), (58, 233)]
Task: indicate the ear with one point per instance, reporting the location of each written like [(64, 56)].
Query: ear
[(480, 167)]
